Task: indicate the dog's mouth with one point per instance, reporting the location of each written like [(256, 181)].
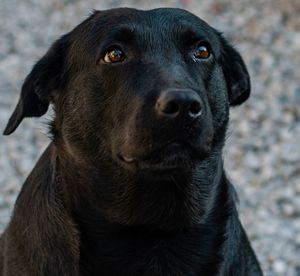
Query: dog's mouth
[(171, 156)]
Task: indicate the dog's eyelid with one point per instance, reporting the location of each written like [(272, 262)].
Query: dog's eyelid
[(202, 42)]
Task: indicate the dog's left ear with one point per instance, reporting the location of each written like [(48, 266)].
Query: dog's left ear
[(45, 77), (236, 74)]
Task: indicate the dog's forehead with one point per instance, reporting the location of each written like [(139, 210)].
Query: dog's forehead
[(154, 20), (164, 16), (166, 21)]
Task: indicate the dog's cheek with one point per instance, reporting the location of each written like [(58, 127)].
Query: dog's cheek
[(218, 99), (82, 126), (125, 135)]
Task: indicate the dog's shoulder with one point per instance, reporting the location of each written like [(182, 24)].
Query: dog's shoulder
[(41, 222), (238, 255)]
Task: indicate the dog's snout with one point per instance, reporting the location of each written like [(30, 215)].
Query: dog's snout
[(179, 103)]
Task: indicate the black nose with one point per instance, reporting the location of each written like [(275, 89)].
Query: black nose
[(179, 103)]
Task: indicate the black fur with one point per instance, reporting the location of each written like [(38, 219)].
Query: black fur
[(126, 188)]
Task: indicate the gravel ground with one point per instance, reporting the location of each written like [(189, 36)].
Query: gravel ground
[(263, 150)]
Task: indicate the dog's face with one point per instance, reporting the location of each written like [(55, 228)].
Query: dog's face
[(143, 91), (150, 77)]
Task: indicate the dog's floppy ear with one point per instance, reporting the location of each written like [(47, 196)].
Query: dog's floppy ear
[(45, 77), (236, 74)]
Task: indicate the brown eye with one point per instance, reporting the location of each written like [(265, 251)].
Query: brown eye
[(114, 55), (202, 51)]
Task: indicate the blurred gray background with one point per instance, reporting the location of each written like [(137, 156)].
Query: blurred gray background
[(262, 155)]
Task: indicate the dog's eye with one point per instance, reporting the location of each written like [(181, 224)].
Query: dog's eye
[(202, 51), (114, 55)]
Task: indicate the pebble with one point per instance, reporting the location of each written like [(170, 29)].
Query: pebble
[(279, 267), (262, 155)]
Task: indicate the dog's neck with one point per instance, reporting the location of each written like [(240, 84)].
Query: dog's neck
[(176, 210), (131, 198)]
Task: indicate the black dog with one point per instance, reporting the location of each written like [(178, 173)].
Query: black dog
[(133, 180)]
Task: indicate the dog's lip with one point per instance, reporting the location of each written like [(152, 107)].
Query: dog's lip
[(169, 148), (130, 159), (169, 156)]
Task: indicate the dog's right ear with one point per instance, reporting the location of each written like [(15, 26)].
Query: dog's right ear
[(46, 76)]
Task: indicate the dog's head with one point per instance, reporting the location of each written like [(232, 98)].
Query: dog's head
[(142, 90)]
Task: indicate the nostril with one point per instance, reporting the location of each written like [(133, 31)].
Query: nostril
[(179, 104), (171, 108), (195, 109)]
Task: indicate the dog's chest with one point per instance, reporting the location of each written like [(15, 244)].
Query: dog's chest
[(178, 255)]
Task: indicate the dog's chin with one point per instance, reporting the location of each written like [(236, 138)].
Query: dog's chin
[(174, 156)]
